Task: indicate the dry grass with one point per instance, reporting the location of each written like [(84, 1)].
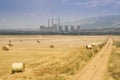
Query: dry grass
[(113, 72), (44, 63), (60, 67)]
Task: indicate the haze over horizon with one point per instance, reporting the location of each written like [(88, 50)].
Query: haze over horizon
[(18, 14)]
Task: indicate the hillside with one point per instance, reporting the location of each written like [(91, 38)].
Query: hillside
[(98, 22)]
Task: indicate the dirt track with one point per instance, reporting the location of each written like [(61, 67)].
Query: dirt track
[(97, 66)]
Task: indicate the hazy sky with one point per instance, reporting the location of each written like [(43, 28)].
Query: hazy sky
[(32, 13)]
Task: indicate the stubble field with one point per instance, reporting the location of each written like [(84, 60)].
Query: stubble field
[(43, 62)]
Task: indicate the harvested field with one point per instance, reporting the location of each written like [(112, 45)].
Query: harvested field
[(41, 62)]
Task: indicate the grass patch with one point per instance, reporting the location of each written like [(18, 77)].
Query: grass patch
[(113, 72), (117, 43)]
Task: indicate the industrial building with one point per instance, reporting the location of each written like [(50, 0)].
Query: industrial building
[(53, 27), (66, 28), (78, 27)]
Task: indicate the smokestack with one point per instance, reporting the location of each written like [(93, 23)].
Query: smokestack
[(48, 22), (58, 21), (52, 22)]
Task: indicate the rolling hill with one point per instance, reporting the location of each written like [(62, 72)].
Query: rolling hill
[(98, 22)]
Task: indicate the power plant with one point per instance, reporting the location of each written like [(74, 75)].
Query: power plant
[(58, 28)]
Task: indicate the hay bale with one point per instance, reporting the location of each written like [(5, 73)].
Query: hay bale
[(20, 40), (89, 46), (10, 40), (17, 67), (10, 44), (51, 46), (93, 44), (5, 48), (38, 41)]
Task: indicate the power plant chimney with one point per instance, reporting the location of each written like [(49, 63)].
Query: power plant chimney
[(52, 21), (58, 21), (48, 22)]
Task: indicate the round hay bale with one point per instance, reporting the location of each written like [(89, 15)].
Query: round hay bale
[(10, 40), (10, 44), (93, 44), (38, 41), (89, 46), (17, 67), (51, 46), (5, 48), (20, 40)]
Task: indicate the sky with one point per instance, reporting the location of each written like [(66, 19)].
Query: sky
[(21, 14)]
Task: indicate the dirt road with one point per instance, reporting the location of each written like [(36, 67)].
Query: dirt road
[(97, 66)]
